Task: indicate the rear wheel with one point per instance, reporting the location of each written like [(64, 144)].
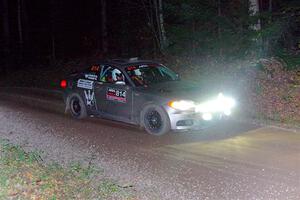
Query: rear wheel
[(77, 107), (155, 120)]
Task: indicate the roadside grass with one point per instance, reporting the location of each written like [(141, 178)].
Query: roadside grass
[(23, 175)]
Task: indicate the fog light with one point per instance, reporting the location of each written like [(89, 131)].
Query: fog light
[(227, 112), (207, 116)]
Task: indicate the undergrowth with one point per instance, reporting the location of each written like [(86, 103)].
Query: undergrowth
[(23, 175)]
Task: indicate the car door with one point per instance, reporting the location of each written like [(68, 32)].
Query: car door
[(113, 99), (119, 101), (100, 88)]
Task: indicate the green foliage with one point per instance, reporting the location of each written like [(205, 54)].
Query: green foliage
[(107, 188), (292, 60), (275, 92), (24, 176), (196, 28)]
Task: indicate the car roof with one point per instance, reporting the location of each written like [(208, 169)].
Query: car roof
[(122, 63)]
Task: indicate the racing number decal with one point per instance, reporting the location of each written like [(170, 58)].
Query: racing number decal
[(116, 95)]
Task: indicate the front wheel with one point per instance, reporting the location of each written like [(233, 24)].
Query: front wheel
[(77, 106), (155, 120)]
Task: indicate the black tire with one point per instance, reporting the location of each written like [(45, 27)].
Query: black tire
[(77, 106), (155, 120)]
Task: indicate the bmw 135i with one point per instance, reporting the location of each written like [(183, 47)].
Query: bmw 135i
[(144, 93)]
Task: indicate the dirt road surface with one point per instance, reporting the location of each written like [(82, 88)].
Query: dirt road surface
[(233, 160)]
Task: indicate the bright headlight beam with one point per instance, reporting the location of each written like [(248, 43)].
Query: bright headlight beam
[(207, 116), (220, 104), (227, 112), (182, 105), (226, 101)]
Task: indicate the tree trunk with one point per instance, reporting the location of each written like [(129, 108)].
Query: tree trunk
[(219, 27), (53, 48), (158, 31), (53, 17), (219, 15), (267, 45), (254, 9), (25, 24), (194, 44), (20, 29), (158, 7), (6, 36), (258, 41), (104, 27), (270, 5), (164, 41), (149, 7), (125, 27)]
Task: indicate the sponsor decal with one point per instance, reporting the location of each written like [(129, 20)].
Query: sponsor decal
[(85, 84), (131, 68), (116, 95), (91, 76), (95, 68), (89, 96)]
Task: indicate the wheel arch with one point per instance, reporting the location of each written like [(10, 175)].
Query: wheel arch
[(68, 98), (151, 103)]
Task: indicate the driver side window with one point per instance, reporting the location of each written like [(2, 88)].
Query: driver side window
[(105, 74), (111, 75)]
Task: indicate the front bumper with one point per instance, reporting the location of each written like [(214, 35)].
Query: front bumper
[(193, 121)]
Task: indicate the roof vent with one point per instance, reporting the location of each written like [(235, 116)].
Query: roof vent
[(134, 59)]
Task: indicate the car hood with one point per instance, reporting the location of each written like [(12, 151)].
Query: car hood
[(180, 90)]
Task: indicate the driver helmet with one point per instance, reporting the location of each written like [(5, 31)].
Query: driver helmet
[(117, 75), (138, 72)]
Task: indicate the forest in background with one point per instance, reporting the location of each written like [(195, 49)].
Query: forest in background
[(35, 32)]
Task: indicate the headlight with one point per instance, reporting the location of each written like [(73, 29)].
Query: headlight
[(220, 104), (182, 105)]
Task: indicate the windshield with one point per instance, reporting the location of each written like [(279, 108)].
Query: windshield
[(148, 74)]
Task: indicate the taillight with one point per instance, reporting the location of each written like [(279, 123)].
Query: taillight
[(63, 84)]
